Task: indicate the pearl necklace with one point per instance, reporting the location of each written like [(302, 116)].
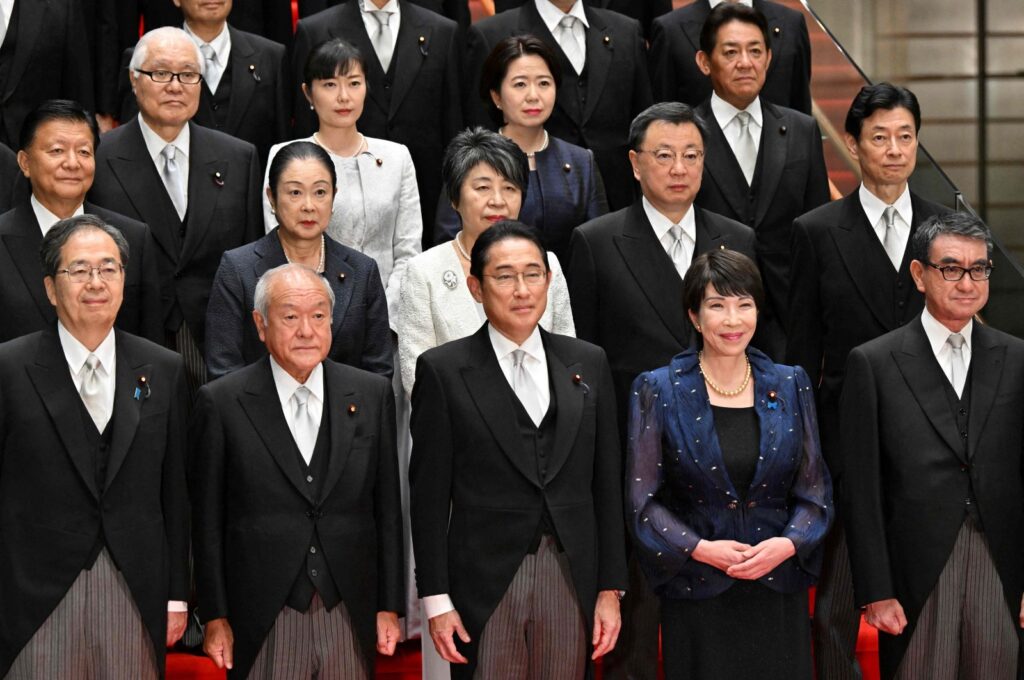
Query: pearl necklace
[(458, 246), (716, 388), (530, 154), (322, 264), (362, 143)]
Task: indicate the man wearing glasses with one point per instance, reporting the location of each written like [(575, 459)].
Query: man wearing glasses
[(629, 265), (931, 445), (93, 502), (197, 189), (516, 489)]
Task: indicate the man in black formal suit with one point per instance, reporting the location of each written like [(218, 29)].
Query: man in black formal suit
[(630, 265), (456, 10), (765, 164), (850, 283), (44, 54), (414, 94), (604, 79), (297, 517), (57, 156), (270, 19), (675, 41), (932, 450), (93, 501), (196, 188), (514, 437), (245, 79), (644, 11), (9, 177)]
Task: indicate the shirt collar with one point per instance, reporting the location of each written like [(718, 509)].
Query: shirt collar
[(724, 112), (76, 353), (533, 345), (221, 44), (155, 143), (286, 384), (391, 6), (716, 3), (874, 206), (551, 15), (662, 224), (47, 219), (937, 333)]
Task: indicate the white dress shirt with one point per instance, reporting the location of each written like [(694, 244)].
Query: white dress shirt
[(874, 207), (725, 114), (155, 145), (372, 25), (551, 15), (536, 364), (716, 3), (47, 219), (937, 335), (286, 386), (221, 49), (6, 8), (662, 224)]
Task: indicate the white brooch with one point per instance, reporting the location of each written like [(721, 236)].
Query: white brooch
[(449, 279)]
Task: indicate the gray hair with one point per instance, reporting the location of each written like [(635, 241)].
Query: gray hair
[(164, 33), (471, 147), (261, 298), (60, 233), (963, 224), (676, 113)]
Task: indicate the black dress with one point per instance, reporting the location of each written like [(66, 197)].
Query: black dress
[(750, 631)]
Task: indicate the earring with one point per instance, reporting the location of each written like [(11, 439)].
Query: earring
[(697, 326), (272, 211), (311, 108)]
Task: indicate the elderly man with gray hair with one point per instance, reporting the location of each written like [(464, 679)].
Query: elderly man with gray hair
[(297, 520), (93, 502), (197, 189)]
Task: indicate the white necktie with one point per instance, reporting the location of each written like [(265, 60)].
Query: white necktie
[(746, 152), (570, 42), (957, 367), (383, 43), (213, 73), (525, 388), (94, 392), (173, 181), (305, 429), (892, 238), (679, 250)]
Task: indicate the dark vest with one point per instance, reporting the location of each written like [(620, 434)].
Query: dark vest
[(99, 451), (566, 124), (960, 409), (214, 108), (314, 576)]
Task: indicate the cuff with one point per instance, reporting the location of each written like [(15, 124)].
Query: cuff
[(435, 605), (177, 606)]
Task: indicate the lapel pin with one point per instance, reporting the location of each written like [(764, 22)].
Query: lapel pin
[(352, 409), (449, 279), (773, 400), (577, 379), (776, 31), (142, 391), (218, 179), (422, 40), (380, 162), (341, 276), (567, 168), (607, 41), (782, 130), (252, 72)]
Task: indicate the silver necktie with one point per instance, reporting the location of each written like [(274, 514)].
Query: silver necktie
[(570, 43), (383, 43), (94, 393), (679, 251), (746, 151), (957, 367), (892, 238), (173, 181), (212, 75), (305, 430), (525, 388)]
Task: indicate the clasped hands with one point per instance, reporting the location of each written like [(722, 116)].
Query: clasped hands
[(742, 561)]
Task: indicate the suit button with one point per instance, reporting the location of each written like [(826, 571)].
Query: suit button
[(963, 434), (312, 549), (962, 411), (900, 303), (309, 478), (313, 573), (309, 514), (215, 106)]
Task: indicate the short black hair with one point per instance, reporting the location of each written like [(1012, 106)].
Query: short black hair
[(60, 233), (501, 57), (297, 151), (676, 113), (723, 14), (503, 231), (56, 109), (730, 272), (963, 224), (884, 96), (330, 59), (477, 145)]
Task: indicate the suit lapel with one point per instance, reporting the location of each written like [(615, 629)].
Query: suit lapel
[(691, 28), (770, 420), (654, 273), (243, 84), (31, 14), (927, 382), (698, 427), (772, 159), (262, 407), (23, 245), (486, 385), (411, 48), (600, 46), (343, 423), (52, 379), (569, 398), (721, 166), (129, 375), (207, 177), (987, 355)]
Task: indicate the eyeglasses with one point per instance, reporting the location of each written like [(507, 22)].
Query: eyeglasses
[(185, 77), (951, 272), (108, 271), (667, 158), (532, 278)]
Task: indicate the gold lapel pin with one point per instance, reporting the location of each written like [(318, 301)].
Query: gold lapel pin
[(352, 409)]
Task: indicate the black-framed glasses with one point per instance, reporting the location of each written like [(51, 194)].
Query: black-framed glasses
[(80, 273), (952, 272), (532, 278), (667, 157), (164, 77)]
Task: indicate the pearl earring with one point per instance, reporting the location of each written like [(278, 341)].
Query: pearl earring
[(311, 108)]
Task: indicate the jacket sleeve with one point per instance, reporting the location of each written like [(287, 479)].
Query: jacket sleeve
[(174, 494), (225, 315), (151, 316), (804, 335), (607, 487), (415, 322), (387, 502), (407, 233), (377, 354), (596, 201), (583, 286)]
